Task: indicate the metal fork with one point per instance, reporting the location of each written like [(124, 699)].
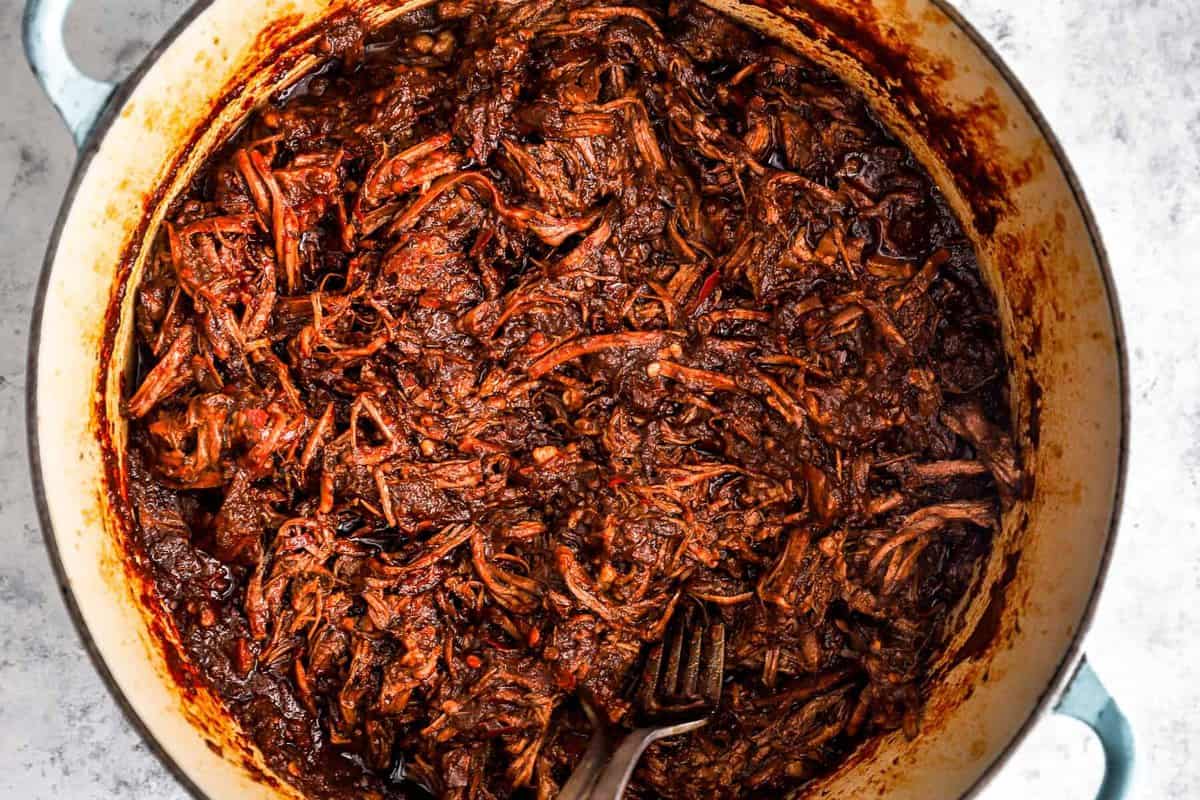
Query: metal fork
[(680, 688)]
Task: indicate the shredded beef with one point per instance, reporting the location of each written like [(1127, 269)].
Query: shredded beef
[(521, 325)]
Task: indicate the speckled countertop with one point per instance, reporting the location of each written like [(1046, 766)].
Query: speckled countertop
[(1118, 82)]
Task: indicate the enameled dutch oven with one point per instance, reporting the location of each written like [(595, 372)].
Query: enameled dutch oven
[(926, 73)]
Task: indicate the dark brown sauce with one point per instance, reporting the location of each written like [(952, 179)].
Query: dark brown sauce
[(507, 333)]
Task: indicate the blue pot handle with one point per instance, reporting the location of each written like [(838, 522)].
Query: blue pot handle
[(1088, 701), (78, 98)]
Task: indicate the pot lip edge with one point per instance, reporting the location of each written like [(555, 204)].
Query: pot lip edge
[(1072, 655), (126, 87)]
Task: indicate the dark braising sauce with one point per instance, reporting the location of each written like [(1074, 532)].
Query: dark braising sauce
[(520, 327)]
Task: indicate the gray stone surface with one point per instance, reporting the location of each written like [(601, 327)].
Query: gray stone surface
[(1117, 80)]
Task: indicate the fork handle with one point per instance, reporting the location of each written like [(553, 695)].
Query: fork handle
[(615, 777), (579, 787)]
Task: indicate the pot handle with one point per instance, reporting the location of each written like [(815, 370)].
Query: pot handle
[(1088, 701), (79, 99)]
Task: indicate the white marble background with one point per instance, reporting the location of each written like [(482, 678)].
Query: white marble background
[(1118, 82)]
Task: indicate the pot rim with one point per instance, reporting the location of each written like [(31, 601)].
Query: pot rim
[(1071, 657)]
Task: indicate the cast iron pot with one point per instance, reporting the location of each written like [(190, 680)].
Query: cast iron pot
[(925, 72)]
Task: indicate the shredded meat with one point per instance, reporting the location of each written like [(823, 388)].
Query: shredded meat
[(520, 325)]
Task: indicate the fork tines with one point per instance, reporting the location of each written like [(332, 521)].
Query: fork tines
[(683, 672)]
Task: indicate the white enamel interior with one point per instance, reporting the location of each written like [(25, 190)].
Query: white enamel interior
[(1042, 246)]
